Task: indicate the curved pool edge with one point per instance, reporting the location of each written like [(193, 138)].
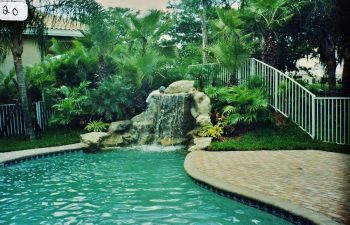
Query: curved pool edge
[(220, 185), (15, 156)]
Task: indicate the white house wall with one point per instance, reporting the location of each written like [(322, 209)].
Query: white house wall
[(31, 56)]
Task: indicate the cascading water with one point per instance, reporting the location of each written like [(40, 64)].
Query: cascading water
[(170, 114)]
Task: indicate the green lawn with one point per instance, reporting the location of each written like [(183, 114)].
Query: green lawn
[(48, 138), (287, 137)]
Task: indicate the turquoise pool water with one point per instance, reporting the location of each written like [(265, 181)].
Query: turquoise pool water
[(115, 187)]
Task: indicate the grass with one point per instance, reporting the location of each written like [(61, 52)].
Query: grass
[(48, 138), (286, 137)]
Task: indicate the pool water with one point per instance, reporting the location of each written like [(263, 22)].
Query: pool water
[(115, 187)]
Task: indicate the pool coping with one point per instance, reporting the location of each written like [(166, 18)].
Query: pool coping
[(279, 204), (15, 156)]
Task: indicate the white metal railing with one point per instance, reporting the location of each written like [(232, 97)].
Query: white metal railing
[(11, 118), (332, 119), (323, 118)]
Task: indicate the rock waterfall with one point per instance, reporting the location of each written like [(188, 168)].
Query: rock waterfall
[(168, 120)]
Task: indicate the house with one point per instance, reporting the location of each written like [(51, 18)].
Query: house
[(311, 70), (31, 54)]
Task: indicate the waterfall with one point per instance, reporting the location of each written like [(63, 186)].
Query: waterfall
[(169, 113), (173, 117)]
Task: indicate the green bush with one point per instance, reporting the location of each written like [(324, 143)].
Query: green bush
[(74, 66), (97, 126), (70, 104), (112, 99), (240, 106), (8, 87)]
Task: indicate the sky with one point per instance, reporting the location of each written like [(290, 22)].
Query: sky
[(135, 4)]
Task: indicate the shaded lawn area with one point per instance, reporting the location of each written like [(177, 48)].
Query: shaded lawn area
[(287, 137), (47, 138)]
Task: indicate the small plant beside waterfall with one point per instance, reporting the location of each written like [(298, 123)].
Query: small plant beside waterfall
[(214, 131), (97, 126)]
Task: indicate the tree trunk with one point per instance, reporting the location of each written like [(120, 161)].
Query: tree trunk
[(328, 58), (269, 50), (100, 72), (346, 71), (330, 70), (17, 50), (204, 35)]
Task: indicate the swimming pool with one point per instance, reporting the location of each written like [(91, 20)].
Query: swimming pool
[(124, 186)]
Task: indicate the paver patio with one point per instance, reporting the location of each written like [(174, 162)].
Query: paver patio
[(316, 180)]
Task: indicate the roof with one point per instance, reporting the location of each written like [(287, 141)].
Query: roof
[(62, 28)]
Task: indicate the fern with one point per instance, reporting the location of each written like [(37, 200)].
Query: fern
[(209, 130), (96, 126), (240, 105)]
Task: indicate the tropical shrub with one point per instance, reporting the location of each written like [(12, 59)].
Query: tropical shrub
[(96, 126), (255, 82), (240, 106), (74, 66), (214, 131), (112, 99), (39, 79), (198, 73), (8, 87), (70, 104)]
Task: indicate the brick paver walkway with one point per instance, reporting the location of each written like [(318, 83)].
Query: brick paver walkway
[(315, 180)]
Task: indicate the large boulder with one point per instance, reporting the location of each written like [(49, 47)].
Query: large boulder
[(144, 130), (153, 93), (119, 140), (201, 143), (201, 104), (182, 86), (94, 139), (172, 141), (113, 141), (203, 120), (120, 126)]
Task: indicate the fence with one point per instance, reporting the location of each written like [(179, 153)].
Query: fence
[(323, 118), (11, 118)]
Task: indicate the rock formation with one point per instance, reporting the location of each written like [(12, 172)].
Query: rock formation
[(171, 118)]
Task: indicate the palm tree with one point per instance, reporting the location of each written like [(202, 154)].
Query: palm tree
[(232, 48), (147, 54), (11, 34), (265, 17), (147, 30)]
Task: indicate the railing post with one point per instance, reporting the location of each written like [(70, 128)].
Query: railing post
[(275, 80), (313, 117), (252, 67), (239, 77)]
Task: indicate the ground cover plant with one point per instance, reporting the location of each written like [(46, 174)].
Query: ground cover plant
[(47, 138), (286, 137)]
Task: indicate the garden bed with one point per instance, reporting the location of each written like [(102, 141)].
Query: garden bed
[(48, 138), (285, 137)]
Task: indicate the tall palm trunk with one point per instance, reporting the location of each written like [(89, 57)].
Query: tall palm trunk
[(346, 70), (17, 50), (270, 49), (204, 35)]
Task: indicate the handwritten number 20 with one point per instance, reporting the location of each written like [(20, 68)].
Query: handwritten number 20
[(6, 11)]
